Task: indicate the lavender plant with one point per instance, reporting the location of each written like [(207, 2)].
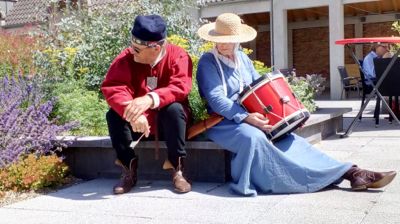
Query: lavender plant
[(24, 121)]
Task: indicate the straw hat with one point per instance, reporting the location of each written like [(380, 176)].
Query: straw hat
[(228, 28)]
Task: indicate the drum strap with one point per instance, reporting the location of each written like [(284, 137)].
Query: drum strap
[(214, 52)]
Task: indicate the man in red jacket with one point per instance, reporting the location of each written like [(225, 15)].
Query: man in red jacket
[(147, 86)]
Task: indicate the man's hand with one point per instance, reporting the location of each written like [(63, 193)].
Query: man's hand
[(136, 107), (258, 120), (141, 125)]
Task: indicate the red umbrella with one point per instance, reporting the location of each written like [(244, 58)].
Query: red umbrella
[(368, 40)]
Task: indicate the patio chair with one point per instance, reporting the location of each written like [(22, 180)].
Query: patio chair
[(349, 83)]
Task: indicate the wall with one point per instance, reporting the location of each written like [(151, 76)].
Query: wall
[(263, 43), (377, 30), (311, 50), (262, 49), (311, 46)]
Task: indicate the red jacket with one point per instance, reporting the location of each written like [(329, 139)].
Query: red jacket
[(126, 80)]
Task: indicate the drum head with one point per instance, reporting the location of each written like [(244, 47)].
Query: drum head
[(289, 124)]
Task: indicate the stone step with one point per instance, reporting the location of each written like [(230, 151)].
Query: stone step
[(92, 157), (205, 161)]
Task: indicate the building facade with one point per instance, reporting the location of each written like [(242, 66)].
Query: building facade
[(303, 32), (5, 8)]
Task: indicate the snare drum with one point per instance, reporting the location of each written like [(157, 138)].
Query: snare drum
[(272, 96)]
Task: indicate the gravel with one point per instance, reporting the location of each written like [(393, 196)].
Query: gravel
[(10, 197)]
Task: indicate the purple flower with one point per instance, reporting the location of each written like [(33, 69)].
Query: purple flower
[(24, 121)]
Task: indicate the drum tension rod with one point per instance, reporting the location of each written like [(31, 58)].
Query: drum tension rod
[(268, 109), (285, 99)]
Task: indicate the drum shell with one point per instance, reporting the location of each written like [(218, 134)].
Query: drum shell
[(275, 94)]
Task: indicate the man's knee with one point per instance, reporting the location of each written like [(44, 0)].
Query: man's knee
[(112, 116), (173, 110)]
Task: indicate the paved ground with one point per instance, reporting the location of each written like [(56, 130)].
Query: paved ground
[(154, 202)]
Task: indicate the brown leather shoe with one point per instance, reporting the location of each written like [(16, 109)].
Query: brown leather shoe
[(361, 179), (181, 185), (128, 178)]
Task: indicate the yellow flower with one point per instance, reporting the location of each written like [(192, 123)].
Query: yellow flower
[(48, 51), (207, 46), (83, 70), (258, 63), (70, 51), (247, 51), (179, 41)]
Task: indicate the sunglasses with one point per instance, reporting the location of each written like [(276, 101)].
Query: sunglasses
[(138, 50), (147, 44)]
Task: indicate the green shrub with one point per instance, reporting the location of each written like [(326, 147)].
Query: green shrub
[(98, 36), (395, 27), (304, 91), (197, 104), (81, 47), (33, 173), (75, 103)]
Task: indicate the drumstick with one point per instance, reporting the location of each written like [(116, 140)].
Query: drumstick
[(134, 143)]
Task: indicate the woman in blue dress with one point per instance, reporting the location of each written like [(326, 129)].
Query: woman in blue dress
[(290, 165)]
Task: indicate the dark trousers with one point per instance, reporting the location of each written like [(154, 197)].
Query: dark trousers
[(171, 127)]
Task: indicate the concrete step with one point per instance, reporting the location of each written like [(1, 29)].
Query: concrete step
[(205, 161), (92, 157)]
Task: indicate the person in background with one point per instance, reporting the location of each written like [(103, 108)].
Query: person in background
[(377, 51), (147, 87)]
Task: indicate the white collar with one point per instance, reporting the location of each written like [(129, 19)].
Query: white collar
[(160, 56), (233, 64), (227, 61)]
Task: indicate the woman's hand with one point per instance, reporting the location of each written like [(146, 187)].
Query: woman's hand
[(141, 125), (258, 120)]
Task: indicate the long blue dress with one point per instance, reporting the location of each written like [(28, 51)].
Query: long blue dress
[(291, 165)]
